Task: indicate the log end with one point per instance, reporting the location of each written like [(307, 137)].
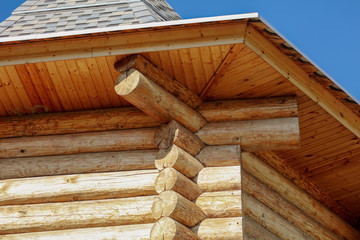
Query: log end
[(127, 82)]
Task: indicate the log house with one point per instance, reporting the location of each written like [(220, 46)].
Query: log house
[(145, 126)]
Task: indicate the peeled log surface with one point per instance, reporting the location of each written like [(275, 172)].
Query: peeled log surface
[(173, 205), (249, 109), (169, 229), (133, 232), (220, 229), (219, 156), (285, 209), (77, 163), (152, 99), (253, 231), (270, 220), (220, 204), (266, 174), (70, 215), (160, 77), (77, 187), (170, 179), (75, 122), (213, 179), (180, 160), (254, 135), (133, 139)]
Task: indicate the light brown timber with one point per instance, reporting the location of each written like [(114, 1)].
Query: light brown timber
[(170, 179), (270, 220), (252, 135), (169, 229), (75, 122), (254, 231), (132, 139), (78, 187), (71, 215), (180, 160), (133, 232), (285, 209), (297, 196), (220, 204), (214, 179), (152, 99), (219, 156), (296, 75), (249, 109), (220, 229), (160, 77), (173, 205), (77, 163), (175, 133)]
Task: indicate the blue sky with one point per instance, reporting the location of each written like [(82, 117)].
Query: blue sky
[(327, 31)]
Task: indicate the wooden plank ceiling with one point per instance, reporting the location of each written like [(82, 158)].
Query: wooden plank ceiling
[(329, 156)]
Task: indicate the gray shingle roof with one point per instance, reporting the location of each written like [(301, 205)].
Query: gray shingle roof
[(49, 16)]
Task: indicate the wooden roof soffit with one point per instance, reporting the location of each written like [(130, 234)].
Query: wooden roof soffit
[(284, 65)]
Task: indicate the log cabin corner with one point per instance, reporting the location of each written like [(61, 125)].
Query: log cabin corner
[(120, 120)]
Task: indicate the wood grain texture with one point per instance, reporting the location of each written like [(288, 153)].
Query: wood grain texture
[(77, 163), (220, 229), (213, 179), (152, 99), (253, 230), (169, 229), (219, 156), (132, 139), (55, 216)]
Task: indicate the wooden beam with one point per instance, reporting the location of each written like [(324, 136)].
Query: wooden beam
[(219, 179), (253, 230), (173, 205), (284, 65), (169, 229), (75, 122), (152, 99), (303, 182), (123, 42), (134, 231), (220, 156), (220, 229), (178, 159), (170, 179), (252, 135), (175, 134), (84, 214), (297, 196), (221, 204), (79, 187), (230, 57), (249, 109), (159, 77), (133, 139), (77, 163)]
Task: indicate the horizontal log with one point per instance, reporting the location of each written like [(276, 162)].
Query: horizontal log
[(77, 163), (219, 156), (133, 139), (169, 229), (75, 122), (78, 187), (257, 168), (220, 204), (152, 99), (220, 229), (179, 159), (285, 209), (170, 179), (270, 220), (253, 230), (254, 135), (160, 77), (249, 109), (133, 232), (71, 215), (175, 134), (173, 205), (214, 179)]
